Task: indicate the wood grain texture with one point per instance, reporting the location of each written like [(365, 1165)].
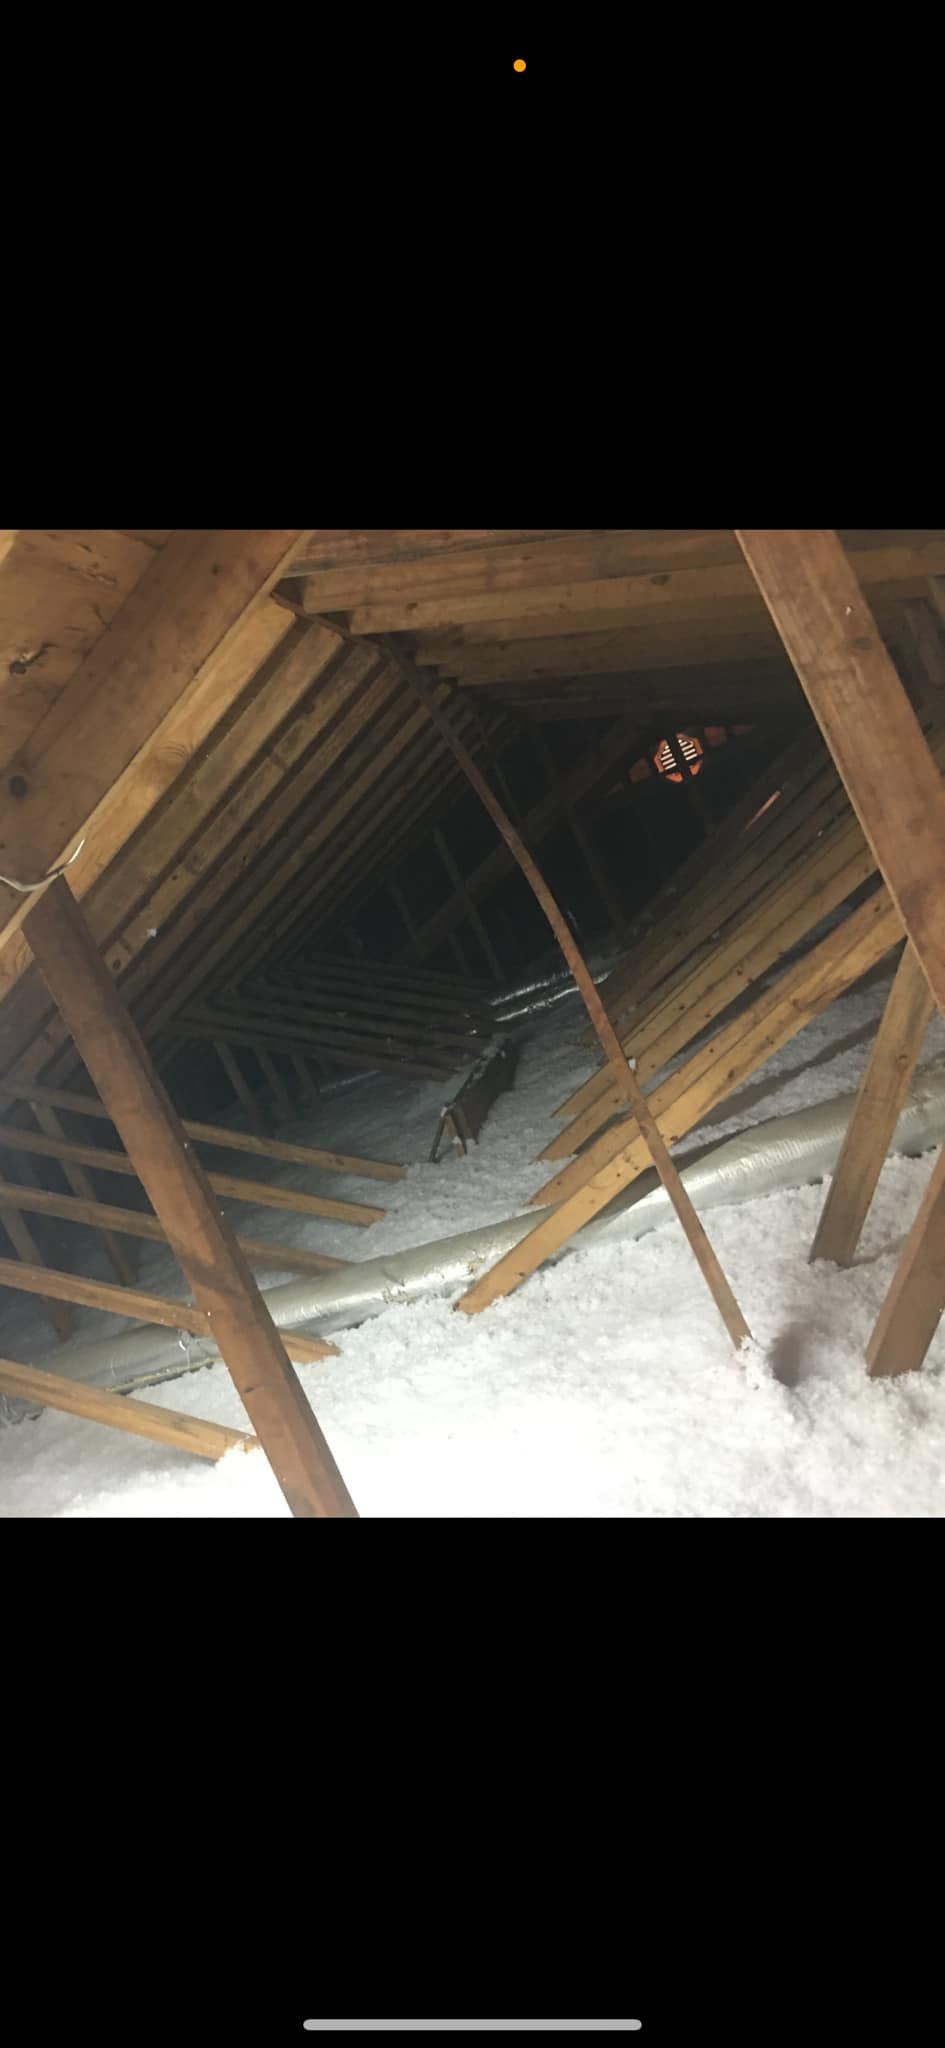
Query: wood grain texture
[(207, 1251), (121, 1411), (876, 1112)]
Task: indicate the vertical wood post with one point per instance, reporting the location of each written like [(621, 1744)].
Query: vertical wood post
[(223, 1286), (875, 1114), (912, 1310)]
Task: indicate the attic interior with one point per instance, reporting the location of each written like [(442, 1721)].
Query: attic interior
[(240, 809)]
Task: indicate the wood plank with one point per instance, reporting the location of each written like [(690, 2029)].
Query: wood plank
[(232, 1141), (686, 1097), (599, 762), (117, 1253), (69, 1209), (342, 1051), (260, 1193), (876, 1113), (175, 1183), (142, 908), (851, 684), (178, 620), (343, 573), (121, 1411), (26, 1248), (135, 1302), (912, 1310), (698, 997), (118, 840), (625, 598)]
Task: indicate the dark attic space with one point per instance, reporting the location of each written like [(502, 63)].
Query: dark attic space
[(469, 1022)]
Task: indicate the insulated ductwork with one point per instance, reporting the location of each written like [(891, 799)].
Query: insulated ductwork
[(788, 1151)]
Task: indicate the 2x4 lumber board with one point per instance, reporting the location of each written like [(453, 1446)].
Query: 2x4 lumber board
[(391, 829), (437, 998), (259, 1193), (382, 1023), (80, 1183), (180, 1192), (784, 918), (281, 1258), (176, 623), (480, 563), (132, 1301), (293, 698), (466, 987), (27, 1250), (634, 647), (876, 1112), (851, 684), (537, 618), (271, 802), (746, 823), (600, 762), (255, 830), (233, 1071), (385, 812), (235, 1141), (628, 597), (728, 916), (368, 550), (290, 761), (924, 634), (251, 890), (121, 1411), (685, 1098), (116, 848), (815, 798), (344, 1051), (695, 1233), (468, 649), (58, 592), (912, 1310), (794, 831), (291, 992)]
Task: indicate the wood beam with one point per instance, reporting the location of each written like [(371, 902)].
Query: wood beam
[(260, 1193), (36, 1201), (312, 1156), (623, 1073), (174, 627), (866, 718), (121, 1411), (134, 1302), (875, 1113), (912, 1310), (221, 1281)]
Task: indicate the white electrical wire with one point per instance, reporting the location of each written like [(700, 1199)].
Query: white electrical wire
[(29, 888)]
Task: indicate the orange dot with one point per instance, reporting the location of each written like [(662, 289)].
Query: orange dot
[(519, 64)]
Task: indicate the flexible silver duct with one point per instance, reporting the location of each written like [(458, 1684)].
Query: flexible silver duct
[(788, 1151)]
